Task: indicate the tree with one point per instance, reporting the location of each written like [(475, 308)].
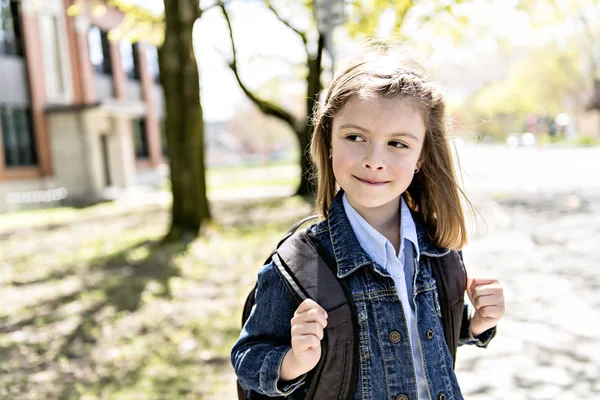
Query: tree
[(180, 82), (301, 127), (590, 18), (184, 122), (546, 81), (364, 20), (585, 14), (172, 33)]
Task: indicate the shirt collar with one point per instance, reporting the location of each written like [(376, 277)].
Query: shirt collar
[(374, 243), (349, 255), (409, 229)]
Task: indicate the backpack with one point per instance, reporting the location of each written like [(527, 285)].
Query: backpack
[(310, 272)]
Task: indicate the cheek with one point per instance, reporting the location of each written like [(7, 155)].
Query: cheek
[(340, 166), (409, 164), (405, 166), (343, 159)]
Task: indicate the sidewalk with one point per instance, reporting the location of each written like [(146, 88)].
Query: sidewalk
[(544, 250)]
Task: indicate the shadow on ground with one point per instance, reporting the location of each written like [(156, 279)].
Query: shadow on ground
[(35, 340), (144, 321)]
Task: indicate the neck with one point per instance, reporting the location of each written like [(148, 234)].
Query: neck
[(385, 219)]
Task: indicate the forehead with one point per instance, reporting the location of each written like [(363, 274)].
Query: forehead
[(383, 115)]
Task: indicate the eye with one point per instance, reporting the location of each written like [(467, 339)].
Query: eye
[(355, 138), (398, 145)]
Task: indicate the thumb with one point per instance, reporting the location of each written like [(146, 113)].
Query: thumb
[(471, 284), (482, 281)]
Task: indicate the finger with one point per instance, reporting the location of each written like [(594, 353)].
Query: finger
[(311, 328), (470, 286), (486, 290), (481, 281), (305, 342), (486, 300), (310, 304), (494, 312), (312, 315)]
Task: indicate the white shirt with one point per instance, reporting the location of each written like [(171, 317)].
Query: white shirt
[(400, 266)]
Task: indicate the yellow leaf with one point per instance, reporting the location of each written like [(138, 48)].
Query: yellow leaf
[(74, 9), (99, 11)]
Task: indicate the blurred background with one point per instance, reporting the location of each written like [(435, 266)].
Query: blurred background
[(153, 153)]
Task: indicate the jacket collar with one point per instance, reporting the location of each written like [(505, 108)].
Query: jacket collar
[(426, 243), (348, 253)]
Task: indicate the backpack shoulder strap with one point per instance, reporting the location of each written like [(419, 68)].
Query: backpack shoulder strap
[(307, 272), (294, 228), (311, 273), (451, 281)]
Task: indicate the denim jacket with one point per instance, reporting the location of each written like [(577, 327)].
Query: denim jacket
[(386, 369)]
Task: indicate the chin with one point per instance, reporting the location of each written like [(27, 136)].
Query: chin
[(370, 201)]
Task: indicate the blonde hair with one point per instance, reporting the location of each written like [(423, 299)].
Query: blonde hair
[(385, 70)]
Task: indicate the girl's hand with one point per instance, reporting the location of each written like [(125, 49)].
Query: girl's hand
[(487, 296), (310, 319)]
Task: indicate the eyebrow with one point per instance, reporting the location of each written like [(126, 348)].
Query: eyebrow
[(352, 126)]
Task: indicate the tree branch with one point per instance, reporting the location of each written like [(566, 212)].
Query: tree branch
[(264, 106), (286, 23), (215, 5)]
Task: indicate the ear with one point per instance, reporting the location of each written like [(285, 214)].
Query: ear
[(420, 162)]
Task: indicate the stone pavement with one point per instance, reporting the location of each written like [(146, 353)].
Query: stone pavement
[(545, 249)]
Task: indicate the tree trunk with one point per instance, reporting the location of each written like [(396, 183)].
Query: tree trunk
[(184, 122), (308, 186), (594, 103)]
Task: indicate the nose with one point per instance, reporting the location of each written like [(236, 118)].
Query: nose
[(373, 160)]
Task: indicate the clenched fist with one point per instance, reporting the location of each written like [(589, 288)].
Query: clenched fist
[(308, 324), (487, 296)]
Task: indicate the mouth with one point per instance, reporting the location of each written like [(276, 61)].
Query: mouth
[(371, 183)]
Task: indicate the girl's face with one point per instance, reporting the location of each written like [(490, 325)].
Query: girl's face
[(375, 147)]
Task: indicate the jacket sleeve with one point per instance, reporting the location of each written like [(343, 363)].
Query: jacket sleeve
[(266, 338), (466, 336)]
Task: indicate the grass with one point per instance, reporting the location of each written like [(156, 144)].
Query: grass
[(255, 176), (218, 179), (95, 308), (580, 141)]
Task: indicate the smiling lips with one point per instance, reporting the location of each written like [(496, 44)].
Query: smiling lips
[(371, 182)]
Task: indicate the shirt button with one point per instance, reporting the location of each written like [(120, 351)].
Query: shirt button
[(441, 396), (395, 337), (401, 397), (429, 335)]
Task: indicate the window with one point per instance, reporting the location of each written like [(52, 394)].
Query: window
[(163, 137), (126, 57), (95, 45), (17, 135), (55, 80), (99, 51), (55, 51), (135, 49), (140, 138), (10, 28), (152, 55), (129, 59)]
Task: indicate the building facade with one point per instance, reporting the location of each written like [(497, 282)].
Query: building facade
[(79, 114)]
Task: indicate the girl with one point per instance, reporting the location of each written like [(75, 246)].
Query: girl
[(380, 135)]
